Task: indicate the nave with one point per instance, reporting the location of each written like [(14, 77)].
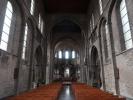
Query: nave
[(66, 91)]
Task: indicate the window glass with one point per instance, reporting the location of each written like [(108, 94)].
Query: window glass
[(4, 37), (101, 8), (107, 39), (127, 36), (66, 55), (125, 19), (107, 34), (32, 7), (91, 26), (129, 44), (25, 42), (60, 54), (40, 23), (73, 54), (123, 12), (126, 25), (6, 27)]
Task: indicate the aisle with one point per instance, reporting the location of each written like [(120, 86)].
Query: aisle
[(66, 93)]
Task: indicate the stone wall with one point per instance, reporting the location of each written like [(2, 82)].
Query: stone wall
[(16, 74)]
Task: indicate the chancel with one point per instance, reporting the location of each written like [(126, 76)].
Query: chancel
[(66, 49)]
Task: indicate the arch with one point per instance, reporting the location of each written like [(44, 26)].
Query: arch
[(112, 5), (38, 74), (38, 54), (67, 44), (66, 35), (60, 19), (72, 41), (95, 69), (66, 26), (105, 37)]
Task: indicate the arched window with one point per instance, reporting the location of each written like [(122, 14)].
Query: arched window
[(92, 23), (40, 23), (106, 38), (60, 54), (73, 55), (91, 29), (125, 25), (25, 42), (66, 55), (6, 27), (32, 7), (101, 8)]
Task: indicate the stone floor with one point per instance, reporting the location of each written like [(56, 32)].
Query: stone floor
[(66, 93)]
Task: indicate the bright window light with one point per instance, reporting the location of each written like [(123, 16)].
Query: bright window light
[(40, 23), (73, 55), (60, 54), (25, 42), (6, 27), (101, 8), (66, 55), (93, 22), (32, 7), (126, 25)]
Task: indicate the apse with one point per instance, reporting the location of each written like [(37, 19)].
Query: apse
[(66, 45)]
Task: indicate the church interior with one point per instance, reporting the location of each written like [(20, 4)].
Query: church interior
[(66, 49)]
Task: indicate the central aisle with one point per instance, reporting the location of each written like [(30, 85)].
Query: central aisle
[(66, 93)]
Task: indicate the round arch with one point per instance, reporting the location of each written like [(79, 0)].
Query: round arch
[(60, 19), (95, 68)]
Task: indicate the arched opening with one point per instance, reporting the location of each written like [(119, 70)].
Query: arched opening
[(105, 38), (95, 69), (66, 62), (38, 68), (66, 45)]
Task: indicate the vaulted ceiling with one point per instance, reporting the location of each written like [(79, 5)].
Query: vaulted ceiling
[(66, 6)]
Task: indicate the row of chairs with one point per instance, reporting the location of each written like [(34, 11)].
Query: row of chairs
[(85, 92), (48, 92)]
